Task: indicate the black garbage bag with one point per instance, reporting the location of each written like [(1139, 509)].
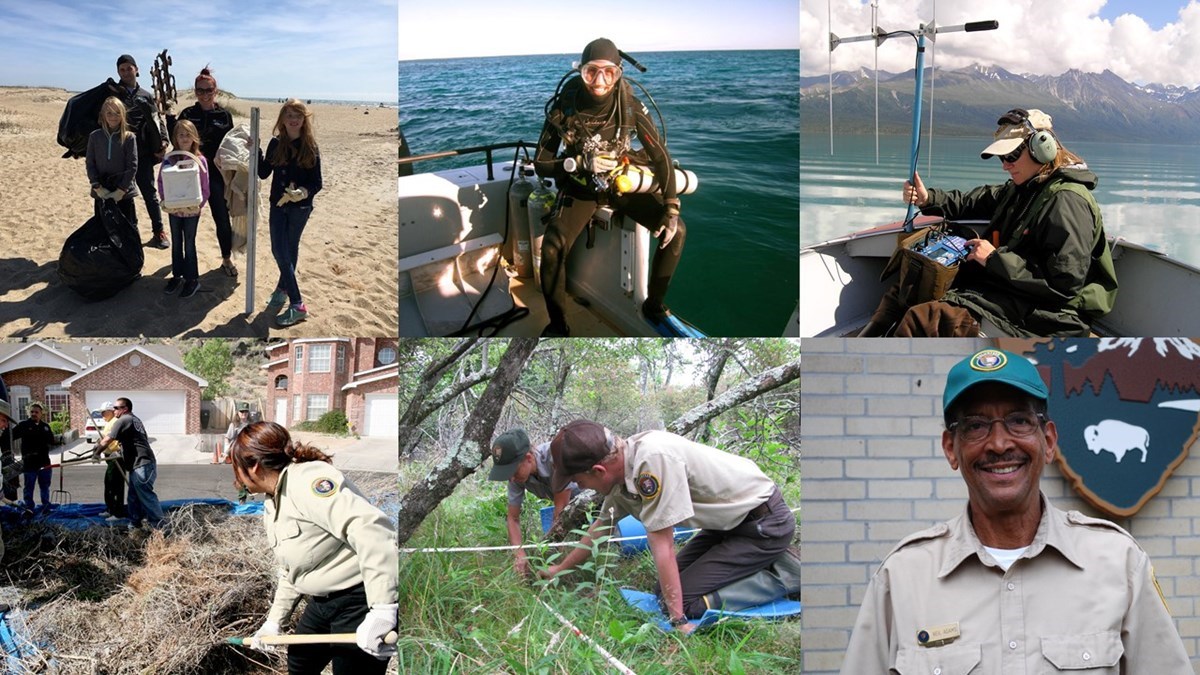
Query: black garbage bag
[(80, 118), (103, 256)]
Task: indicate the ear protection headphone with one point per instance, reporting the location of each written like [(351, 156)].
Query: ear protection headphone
[(1043, 145)]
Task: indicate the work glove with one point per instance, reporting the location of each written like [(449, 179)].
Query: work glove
[(668, 225), (379, 621), (269, 629), (117, 195), (603, 164)]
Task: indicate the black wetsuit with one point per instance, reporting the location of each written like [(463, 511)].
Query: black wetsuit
[(575, 119)]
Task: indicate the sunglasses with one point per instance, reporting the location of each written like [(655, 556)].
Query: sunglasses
[(205, 90), (1014, 155)]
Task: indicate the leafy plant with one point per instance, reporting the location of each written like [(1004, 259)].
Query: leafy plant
[(333, 422), (212, 360)]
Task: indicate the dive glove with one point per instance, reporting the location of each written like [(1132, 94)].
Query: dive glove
[(269, 629), (379, 621), (668, 225)]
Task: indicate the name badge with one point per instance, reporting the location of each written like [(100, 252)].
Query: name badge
[(938, 635)]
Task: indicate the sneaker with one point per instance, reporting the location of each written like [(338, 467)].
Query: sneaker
[(278, 299), (173, 284), (189, 288), (294, 315), (103, 514), (111, 519), (160, 241)]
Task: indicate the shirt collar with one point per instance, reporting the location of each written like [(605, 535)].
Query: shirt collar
[(1051, 532)]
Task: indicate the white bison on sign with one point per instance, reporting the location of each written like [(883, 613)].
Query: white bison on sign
[(1116, 437)]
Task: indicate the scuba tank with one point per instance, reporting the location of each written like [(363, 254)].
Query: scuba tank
[(636, 179), (516, 239), (541, 202)]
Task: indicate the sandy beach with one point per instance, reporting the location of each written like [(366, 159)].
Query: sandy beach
[(348, 254)]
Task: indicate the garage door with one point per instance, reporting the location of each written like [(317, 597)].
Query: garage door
[(163, 412), (383, 415)]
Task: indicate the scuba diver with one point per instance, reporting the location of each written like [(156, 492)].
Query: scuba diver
[(594, 115)]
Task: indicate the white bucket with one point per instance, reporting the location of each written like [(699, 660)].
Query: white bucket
[(181, 182)]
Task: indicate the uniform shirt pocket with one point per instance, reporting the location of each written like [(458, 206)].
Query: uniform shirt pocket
[(949, 660), (282, 532), (1094, 652)]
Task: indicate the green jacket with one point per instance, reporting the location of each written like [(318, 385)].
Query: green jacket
[(1052, 273)]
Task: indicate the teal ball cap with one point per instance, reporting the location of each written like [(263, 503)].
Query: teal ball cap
[(993, 365)]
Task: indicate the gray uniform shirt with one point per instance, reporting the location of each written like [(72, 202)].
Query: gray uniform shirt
[(539, 479), (1082, 597)]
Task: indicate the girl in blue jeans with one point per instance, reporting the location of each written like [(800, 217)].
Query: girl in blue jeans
[(184, 268), (295, 163)]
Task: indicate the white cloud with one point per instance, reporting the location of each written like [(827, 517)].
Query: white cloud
[(1034, 36)]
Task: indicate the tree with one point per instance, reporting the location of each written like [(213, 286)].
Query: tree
[(212, 360), (423, 497)]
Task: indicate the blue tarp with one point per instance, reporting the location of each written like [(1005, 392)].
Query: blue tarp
[(772, 611), (82, 516)]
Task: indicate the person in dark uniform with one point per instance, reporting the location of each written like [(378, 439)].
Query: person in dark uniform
[(665, 480), (530, 470), (332, 545), (36, 438), (12, 471), (114, 475), (141, 467), (213, 122), (594, 117)]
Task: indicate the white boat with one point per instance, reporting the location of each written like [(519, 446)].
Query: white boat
[(840, 287), (452, 225)]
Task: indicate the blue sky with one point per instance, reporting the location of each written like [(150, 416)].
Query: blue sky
[(309, 49), (1141, 41), (499, 27)]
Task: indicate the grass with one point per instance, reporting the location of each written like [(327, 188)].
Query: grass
[(8, 125), (471, 613)]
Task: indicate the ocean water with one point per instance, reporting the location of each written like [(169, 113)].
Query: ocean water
[(1148, 193), (730, 117)]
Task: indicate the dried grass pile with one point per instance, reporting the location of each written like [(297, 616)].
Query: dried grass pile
[(105, 601)]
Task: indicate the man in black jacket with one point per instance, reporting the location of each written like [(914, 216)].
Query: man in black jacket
[(36, 438), (143, 120)]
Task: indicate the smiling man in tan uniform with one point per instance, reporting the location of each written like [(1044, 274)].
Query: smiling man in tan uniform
[(665, 480), (1013, 585)]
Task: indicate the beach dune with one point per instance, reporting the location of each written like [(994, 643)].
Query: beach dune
[(347, 268)]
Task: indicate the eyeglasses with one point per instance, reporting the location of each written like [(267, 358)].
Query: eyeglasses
[(1014, 155), (591, 72), (205, 90), (1018, 424)]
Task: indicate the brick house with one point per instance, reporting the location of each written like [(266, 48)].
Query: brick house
[(306, 377), (77, 377)]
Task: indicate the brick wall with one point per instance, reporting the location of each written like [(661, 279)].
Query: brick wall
[(149, 374), (37, 379), (874, 472)]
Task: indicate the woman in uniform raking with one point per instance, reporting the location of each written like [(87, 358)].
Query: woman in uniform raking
[(331, 545)]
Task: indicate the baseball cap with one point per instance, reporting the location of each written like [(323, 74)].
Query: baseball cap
[(508, 450), (107, 405), (126, 58), (576, 448), (993, 365), (243, 407), (1014, 129)]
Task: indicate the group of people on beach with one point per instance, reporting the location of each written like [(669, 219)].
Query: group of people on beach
[(122, 154)]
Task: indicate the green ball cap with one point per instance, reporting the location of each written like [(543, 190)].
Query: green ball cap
[(993, 365), (507, 451)]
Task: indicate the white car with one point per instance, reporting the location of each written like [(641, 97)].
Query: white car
[(91, 428)]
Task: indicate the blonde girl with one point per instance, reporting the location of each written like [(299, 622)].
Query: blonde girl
[(293, 161), (184, 267), (112, 160)]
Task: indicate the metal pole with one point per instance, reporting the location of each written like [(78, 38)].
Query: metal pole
[(916, 128), (932, 82), (874, 23), (251, 211), (829, 11)]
